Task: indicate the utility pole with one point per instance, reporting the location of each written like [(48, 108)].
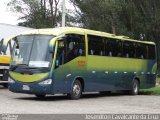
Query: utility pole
[(63, 13)]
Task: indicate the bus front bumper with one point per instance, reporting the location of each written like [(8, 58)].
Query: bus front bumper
[(30, 88)]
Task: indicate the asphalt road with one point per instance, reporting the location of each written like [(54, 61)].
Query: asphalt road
[(14, 103)]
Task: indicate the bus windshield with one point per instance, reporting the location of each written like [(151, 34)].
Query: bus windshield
[(32, 51)]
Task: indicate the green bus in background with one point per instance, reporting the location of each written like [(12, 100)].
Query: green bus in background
[(74, 60)]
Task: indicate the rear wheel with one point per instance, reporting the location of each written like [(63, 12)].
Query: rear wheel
[(135, 87), (76, 90)]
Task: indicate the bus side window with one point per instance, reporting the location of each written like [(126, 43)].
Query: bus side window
[(96, 45), (113, 47), (151, 52), (109, 48), (74, 46), (138, 51), (60, 54), (141, 51), (128, 49)]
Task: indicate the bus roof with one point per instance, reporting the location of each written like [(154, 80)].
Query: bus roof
[(63, 30)]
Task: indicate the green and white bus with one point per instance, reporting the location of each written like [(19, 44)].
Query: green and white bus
[(74, 60)]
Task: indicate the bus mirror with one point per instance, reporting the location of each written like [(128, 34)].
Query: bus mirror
[(17, 47)]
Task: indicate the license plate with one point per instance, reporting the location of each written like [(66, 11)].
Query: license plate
[(25, 87)]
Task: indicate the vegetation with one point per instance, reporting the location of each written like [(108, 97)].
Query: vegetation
[(36, 13), (138, 19), (135, 18), (151, 91)]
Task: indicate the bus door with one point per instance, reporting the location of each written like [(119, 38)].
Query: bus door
[(69, 62), (61, 70)]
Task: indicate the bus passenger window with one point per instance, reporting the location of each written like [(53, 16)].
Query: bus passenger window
[(74, 46), (113, 47), (60, 54), (110, 53), (96, 45), (128, 49), (92, 52), (141, 51), (101, 53), (151, 52)]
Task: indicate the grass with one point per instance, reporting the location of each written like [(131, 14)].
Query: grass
[(158, 79), (152, 91)]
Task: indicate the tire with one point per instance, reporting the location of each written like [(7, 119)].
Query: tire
[(135, 88), (5, 85), (76, 91), (40, 96)]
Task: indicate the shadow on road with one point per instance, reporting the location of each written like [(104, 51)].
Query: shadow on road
[(1, 87), (64, 97)]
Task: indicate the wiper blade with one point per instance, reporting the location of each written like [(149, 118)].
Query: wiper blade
[(16, 66)]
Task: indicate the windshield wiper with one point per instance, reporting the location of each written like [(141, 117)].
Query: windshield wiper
[(16, 66)]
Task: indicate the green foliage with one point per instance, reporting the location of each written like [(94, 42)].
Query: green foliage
[(138, 19), (151, 91), (36, 13), (133, 18)]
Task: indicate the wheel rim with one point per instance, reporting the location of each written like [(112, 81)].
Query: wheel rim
[(135, 87), (76, 90)]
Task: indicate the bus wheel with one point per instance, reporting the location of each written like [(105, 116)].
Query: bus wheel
[(40, 96), (76, 90), (5, 85), (135, 88)]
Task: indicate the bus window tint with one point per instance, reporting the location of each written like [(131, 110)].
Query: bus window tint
[(151, 52), (114, 48), (128, 49), (141, 51), (96, 45), (74, 46), (60, 54)]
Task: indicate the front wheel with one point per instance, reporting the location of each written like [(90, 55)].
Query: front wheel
[(76, 90), (5, 85), (135, 88)]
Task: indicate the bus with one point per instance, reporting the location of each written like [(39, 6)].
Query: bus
[(72, 60), (4, 66)]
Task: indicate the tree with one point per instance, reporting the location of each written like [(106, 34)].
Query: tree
[(138, 19), (134, 18), (36, 13)]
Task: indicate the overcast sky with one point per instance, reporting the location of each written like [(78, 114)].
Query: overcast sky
[(7, 16)]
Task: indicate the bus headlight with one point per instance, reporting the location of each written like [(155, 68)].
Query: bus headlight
[(10, 80), (46, 82)]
